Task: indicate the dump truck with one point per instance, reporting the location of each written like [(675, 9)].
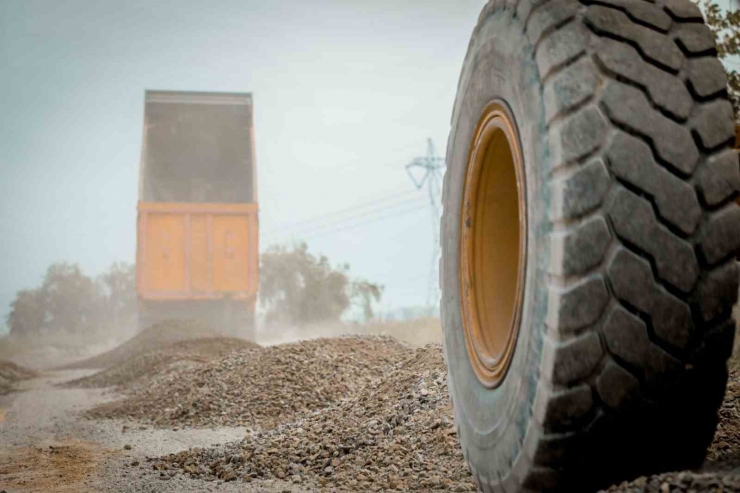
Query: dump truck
[(589, 237), (197, 233)]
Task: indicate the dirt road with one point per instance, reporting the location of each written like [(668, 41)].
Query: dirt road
[(46, 445)]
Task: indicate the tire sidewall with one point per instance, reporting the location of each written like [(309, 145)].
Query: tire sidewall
[(500, 65)]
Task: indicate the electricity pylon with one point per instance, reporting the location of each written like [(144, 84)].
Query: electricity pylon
[(428, 171)]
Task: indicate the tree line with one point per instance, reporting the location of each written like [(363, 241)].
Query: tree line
[(296, 288), (69, 302)]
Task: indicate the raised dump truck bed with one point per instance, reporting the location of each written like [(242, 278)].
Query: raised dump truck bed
[(197, 251), (197, 235)]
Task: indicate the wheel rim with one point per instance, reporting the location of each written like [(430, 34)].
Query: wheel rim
[(493, 245)]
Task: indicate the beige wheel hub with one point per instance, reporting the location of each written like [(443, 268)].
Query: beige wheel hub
[(493, 245)]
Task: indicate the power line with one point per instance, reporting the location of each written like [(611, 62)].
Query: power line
[(361, 219), (349, 212), (428, 171), (395, 214), (331, 221), (312, 228), (425, 172)]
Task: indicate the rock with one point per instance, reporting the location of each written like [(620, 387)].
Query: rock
[(127, 447)]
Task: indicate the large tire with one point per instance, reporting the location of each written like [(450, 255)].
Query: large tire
[(629, 276)]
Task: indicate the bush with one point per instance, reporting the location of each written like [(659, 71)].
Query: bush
[(299, 288), (69, 302)]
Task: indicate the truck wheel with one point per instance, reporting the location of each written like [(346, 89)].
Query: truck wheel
[(589, 239)]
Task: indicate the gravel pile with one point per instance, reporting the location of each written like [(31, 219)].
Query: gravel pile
[(127, 373), (396, 434), (11, 373), (155, 338), (259, 387)]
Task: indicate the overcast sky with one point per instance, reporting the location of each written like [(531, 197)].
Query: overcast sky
[(346, 93)]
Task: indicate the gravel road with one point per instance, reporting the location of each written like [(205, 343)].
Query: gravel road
[(383, 423), (46, 445)]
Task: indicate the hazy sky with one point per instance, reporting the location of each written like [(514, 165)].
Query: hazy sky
[(345, 91)]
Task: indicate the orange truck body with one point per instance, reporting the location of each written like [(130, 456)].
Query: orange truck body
[(197, 227), (191, 251)]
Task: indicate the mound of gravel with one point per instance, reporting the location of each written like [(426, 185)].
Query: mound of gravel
[(259, 387), (156, 337), (396, 434), (11, 373), (127, 373)]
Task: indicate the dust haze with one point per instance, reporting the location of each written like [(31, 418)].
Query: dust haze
[(221, 246), (340, 107)]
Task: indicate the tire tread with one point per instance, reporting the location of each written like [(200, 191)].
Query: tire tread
[(643, 276)]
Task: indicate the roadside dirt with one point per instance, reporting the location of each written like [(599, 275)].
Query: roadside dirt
[(62, 466), (90, 456)]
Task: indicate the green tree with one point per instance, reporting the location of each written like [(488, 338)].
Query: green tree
[(118, 291), (69, 302), (26, 317), (298, 287), (69, 299), (363, 294)]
